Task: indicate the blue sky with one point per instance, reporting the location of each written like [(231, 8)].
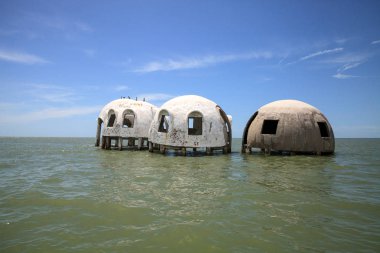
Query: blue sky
[(61, 61)]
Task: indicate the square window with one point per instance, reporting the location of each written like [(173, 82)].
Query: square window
[(269, 126), (194, 125)]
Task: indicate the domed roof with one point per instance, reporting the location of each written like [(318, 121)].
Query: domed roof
[(122, 104), (288, 105), (189, 102)]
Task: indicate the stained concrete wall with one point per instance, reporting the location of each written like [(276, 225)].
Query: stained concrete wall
[(297, 129), (214, 130)]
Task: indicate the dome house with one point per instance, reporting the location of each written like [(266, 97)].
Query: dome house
[(289, 126), (190, 122), (125, 119)]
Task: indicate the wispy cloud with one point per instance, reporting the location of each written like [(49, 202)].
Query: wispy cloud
[(319, 53), (58, 22), (52, 93), (348, 66), (155, 96), (19, 57), (121, 88), (199, 62), (49, 113), (343, 76), (340, 40), (375, 42), (348, 62)]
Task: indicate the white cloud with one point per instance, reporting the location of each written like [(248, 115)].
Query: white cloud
[(343, 76), (199, 62), (52, 93), (319, 53), (375, 42), (48, 113), (347, 58), (349, 62), (21, 57), (121, 88), (341, 40), (155, 96), (349, 66)]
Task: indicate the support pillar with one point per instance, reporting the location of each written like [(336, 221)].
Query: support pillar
[(139, 143), (120, 142), (103, 142), (162, 149), (98, 133), (150, 146)]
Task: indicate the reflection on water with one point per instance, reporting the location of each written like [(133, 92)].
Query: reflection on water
[(62, 194)]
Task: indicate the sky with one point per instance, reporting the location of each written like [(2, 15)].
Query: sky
[(62, 61)]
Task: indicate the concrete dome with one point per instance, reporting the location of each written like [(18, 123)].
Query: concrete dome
[(125, 118), (289, 126), (191, 122)]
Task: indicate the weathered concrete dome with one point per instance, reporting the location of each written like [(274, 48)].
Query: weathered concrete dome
[(289, 126), (125, 119), (190, 122)]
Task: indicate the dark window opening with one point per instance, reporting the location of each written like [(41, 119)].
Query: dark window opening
[(164, 124), (323, 129), (269, 126), (194, 125), (111, 120), (129, 119)]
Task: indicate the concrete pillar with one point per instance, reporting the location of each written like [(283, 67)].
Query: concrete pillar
[(103, 142), (98, 133), (120, 142), (162, 149), (183, 151), (150, 146), (108, 142), (139, 143), (209, 151), (131, 142)]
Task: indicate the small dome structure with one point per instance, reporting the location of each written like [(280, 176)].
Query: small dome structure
[(190, 122), (125, 119), (289, 126)]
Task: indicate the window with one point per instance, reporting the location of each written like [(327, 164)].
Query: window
[(323, 129), (269, 126), (128, 119), (164, 122), (194, 123), (111, 119)]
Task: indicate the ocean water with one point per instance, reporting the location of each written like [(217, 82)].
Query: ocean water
[(65, 195)]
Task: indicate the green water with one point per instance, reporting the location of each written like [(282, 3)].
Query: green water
[(65, 195)]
